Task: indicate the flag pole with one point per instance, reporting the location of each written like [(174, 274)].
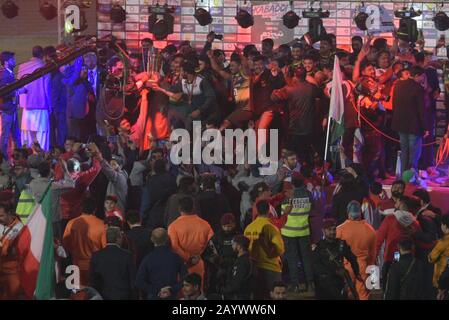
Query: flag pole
[(329, 115), (327, 136)]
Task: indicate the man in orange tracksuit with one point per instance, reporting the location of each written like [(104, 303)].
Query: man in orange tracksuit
[(189, 236), (10, 226), (361, 238), (83, 236)]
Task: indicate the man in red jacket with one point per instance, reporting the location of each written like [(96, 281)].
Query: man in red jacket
[(71, 200), (399, 223)]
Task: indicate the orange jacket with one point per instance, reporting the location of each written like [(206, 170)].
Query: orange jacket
[(82, 237), (361, 237), (189, 236)]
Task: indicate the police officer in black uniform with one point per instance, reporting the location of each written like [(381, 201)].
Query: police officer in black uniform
[(220, 255), (238, 281), (331, 278)]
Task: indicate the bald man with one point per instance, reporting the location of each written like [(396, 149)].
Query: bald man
[(361, 238), (160, 271)]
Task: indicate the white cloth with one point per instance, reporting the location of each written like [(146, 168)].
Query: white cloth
[(36, 127), (43, 137), (35, 120)]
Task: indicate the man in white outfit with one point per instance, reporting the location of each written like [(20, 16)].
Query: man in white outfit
[(35, 103)]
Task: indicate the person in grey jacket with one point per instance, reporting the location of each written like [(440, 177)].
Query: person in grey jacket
[(118, 179)]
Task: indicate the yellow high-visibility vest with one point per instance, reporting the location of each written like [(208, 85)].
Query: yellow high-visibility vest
[(25, 206), (297, 224)]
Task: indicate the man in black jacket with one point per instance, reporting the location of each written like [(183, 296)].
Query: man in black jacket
[(212, 205), (112, 271), (220, 254), (405, 279), (238, 284), (8, 104), (330, 278), (155, 195), (409, 118), (160, 271), (138, 237), (300, 96)]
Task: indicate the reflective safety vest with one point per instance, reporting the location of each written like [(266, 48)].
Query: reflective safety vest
[(25, 206), (297, 224)]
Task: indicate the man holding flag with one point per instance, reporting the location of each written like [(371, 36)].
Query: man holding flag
[(343, 111)]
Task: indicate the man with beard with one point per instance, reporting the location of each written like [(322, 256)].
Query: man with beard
[(238, 282), (240, 86), (327, 53), (310, 65), (198, 92), (368, 104), (264, 82), (220, 254), (328, 257)]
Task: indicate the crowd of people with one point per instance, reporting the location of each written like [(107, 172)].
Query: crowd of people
[(97, 132)]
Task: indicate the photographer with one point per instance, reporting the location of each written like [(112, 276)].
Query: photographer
[(118, 178), (71, 200)]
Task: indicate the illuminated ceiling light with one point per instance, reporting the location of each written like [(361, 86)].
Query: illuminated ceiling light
[(48, 10), (10, 9), (118, 14)]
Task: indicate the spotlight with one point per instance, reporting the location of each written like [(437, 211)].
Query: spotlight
[(244, 19), (48, 10), (10, 10), (203, 17), (311, 13), (316, 31), (118, 14), (408, 30), (160, 22), (316, 28), (291, 19), (441, 21), (404, 13), (360, 20)]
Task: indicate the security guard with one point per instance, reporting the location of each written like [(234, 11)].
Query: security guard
[(331, 278), (296, 234)]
